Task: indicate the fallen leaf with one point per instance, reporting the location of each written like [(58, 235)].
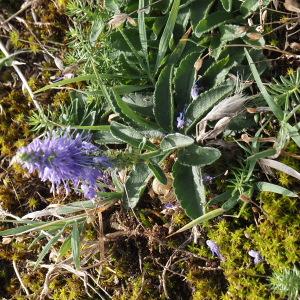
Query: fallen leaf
[(295, 46), (292, 5)]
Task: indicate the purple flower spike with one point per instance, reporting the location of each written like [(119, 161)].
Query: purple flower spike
[(214, 248), (256, 255), (63, 161), (180, 120)]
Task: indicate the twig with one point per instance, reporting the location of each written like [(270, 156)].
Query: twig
[(25, 6), (20, 279), (23, 79)]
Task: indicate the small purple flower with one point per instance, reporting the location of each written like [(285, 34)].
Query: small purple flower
[(63, 161), (180, 120), (196, 90), (256, 255), (214, 248), (207, 179)]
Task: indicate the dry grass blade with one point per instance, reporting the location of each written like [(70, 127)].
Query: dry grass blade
[(118, 20), (229, 107), (270, 163)]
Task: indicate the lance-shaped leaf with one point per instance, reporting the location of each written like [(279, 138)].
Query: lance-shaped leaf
[(167, 33), (163, 100), (189, 189), (184, 79), (274, 188)]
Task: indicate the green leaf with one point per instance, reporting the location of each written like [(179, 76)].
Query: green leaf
[(189, 189), (195, 155), (134, 51), (274, 188), (19, 230), (277, 111), (217, 72), (204, 218), (127, 89), (130, 136), (227, 4), (231, 32), (97, 28), (140, 103), (163, 100), (199, 10), (65, 82), (196, 110), (75, 243), (136, 184), (212, 21), (47, 248), (158, 172), (262, 154), (143, 33), (175, 141), (250, 6), (65, 247), (231, 202), (129, 115), (177, 52), (220, 198), (184, 79), (167, 34)]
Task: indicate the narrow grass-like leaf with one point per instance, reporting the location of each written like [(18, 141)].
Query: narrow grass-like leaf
[(52, 225), (47, 248), (167, 33), (277, 111), (163, 100), (75, 243), (65, 82), (20, 229), (206, 101), (189, 189), (274, 188), (204, 218), (143, 34), (262, 154)]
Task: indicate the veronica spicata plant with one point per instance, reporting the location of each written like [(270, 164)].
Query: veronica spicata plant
[(64, 160)]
